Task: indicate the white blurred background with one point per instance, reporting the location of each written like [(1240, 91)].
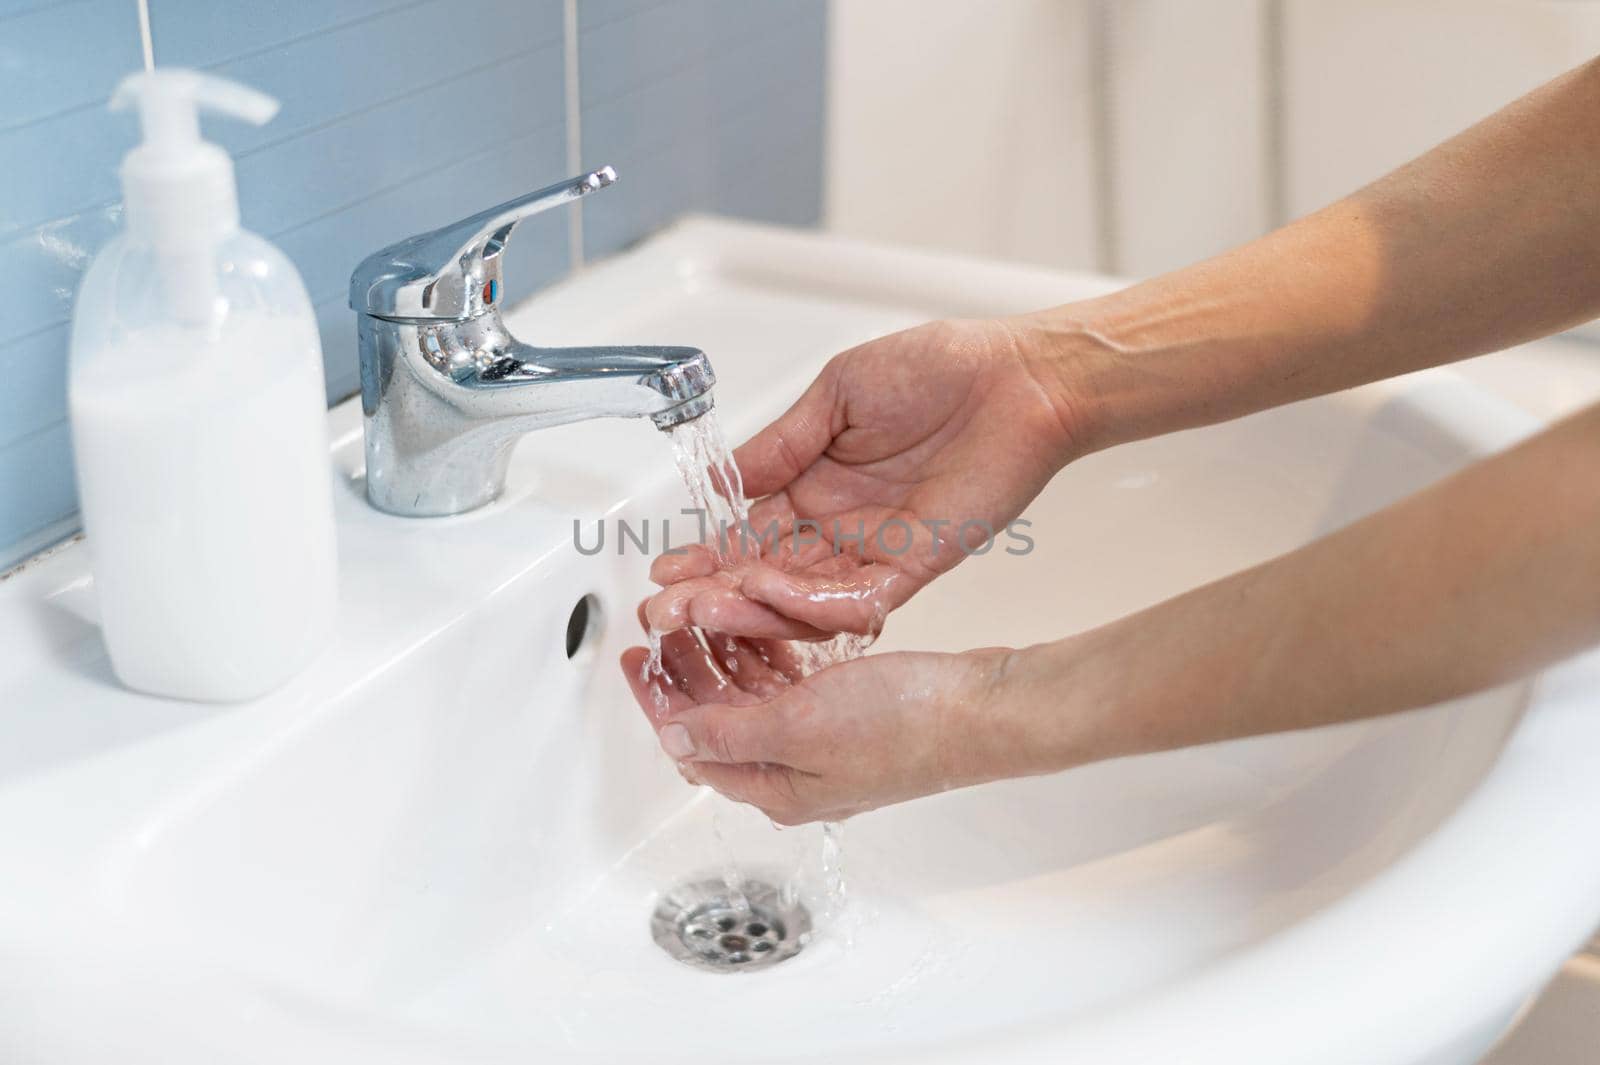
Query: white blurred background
[(1134, 136)]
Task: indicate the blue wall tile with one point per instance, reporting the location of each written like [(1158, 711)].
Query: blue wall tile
[(53, 59), (61, 165), (372, 144), (58, 190), (701, 105), (40, 266), (196, 34), (399, 54), (36, 485)]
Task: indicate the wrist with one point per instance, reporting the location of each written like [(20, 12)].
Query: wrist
[(977, 719), (1044, 708), (1008, 717), (1074, 356)]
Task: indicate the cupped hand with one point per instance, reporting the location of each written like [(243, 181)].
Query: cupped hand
[(736, 714), (905, 455)]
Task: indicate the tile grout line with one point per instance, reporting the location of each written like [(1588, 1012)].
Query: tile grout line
[(574, 114), (685, 65), (1102, 131), (652, 5), (1275, 134), (146, 41), (24, 12), (366, 109), (334, 27), (382, 190), (52, 116)]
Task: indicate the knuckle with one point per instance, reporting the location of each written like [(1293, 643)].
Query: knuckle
[(782, 801), (796, 715), (718, 743), (784, 787)]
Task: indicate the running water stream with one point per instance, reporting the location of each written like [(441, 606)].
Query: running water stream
[(705, 463)]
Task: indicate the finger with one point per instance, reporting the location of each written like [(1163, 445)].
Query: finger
[(783, 450), (776, 790), (716, 603), (842, 542), (730, 611), (745, 666), (768, 520), (728, 547), (785, 657), (669, 608), (857, 602), (683, 563), (692, 669), (658, 698), (775, 509)]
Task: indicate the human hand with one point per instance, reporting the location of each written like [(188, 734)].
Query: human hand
[(895, 446), (850, 738)]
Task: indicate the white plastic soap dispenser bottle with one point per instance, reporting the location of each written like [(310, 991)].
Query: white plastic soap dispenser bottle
[(198, 420)]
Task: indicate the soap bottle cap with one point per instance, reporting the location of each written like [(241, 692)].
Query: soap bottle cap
[(178, 189)]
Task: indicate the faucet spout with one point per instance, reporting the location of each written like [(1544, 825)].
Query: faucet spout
[(670, 385), (445, 402)]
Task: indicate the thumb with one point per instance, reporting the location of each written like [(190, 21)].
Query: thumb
[(729, 734), (785, 449)]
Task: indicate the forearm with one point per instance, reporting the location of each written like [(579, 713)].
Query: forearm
[(1491, 239), (1478, 580)]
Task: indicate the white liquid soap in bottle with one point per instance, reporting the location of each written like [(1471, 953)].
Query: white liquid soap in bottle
[(198, 420)]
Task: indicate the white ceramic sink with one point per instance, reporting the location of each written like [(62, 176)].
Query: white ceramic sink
[(442, 843)]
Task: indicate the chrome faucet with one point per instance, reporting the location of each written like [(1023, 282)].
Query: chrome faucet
[(446, 391)]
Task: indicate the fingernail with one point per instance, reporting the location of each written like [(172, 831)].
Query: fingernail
[(676, 742)]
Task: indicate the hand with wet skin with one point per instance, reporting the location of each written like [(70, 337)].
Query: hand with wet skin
[(851, 738), (946, 423)]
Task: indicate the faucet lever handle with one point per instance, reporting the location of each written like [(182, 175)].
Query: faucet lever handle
[(454, 272)]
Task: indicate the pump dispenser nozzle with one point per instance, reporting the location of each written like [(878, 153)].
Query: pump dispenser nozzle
[(177, 187)]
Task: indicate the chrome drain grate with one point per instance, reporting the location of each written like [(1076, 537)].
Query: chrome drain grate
[(705, 925)]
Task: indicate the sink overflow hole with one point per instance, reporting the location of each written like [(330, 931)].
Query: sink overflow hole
[(583, 621)]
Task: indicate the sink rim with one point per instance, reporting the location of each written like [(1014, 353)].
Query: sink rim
[(1544, 761)]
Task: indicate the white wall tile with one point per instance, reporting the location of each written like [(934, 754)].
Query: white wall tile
[(1187, 102), (1370, 84), (964, 126), (974, 126)]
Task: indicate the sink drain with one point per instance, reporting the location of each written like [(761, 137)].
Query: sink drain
[(702, 925)]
